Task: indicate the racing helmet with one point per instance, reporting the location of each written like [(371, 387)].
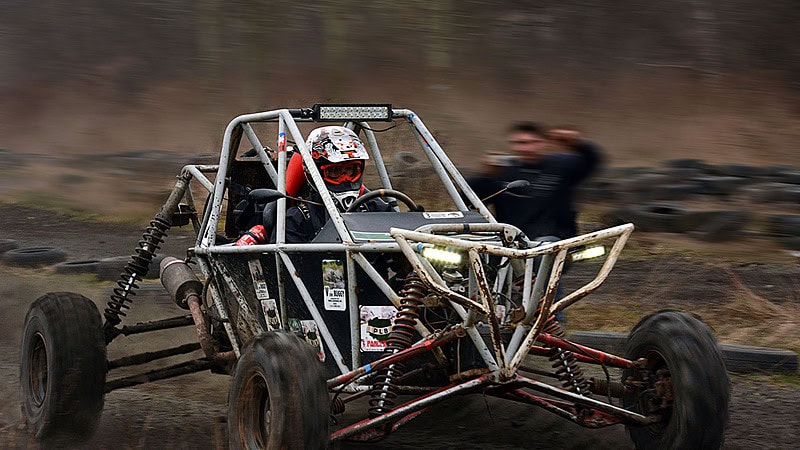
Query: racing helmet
[(339, 155)]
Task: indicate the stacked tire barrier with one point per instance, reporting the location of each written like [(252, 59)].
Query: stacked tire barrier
[(106, 269), (710, 202), (786, 229)]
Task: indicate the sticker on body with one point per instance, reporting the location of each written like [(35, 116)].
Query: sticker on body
[(376, 323), (333, 285), (259, 282), (311, 335), (271, 315)]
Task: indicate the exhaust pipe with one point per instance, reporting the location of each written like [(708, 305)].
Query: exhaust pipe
[(185, 289)]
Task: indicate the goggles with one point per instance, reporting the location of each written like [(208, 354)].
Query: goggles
[(337, 173)]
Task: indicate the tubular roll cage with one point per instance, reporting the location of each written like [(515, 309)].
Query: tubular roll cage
[(503, 361)]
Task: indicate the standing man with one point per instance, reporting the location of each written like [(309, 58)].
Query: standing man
[(554, 162)]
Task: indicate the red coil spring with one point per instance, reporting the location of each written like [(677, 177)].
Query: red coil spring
[(401, 337), (553, 328), (567, 368)]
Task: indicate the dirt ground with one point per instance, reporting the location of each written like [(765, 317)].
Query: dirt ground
[(189, 412)]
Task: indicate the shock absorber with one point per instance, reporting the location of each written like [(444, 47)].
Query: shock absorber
[(567, 368), (401, 337), (137, 266), (133, 272)]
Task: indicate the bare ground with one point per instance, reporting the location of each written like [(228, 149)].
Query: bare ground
[(189, 412)]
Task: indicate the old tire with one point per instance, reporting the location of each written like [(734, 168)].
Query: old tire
[(278, 396), (110, 269), (684, 361), (34, 256), (77, 267), (659, 217), (718, 226), (7, 244), (784, 224), (788, 242), (62, 368)]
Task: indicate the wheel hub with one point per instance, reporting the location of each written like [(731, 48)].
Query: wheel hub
[(37, 376), (258, 411)]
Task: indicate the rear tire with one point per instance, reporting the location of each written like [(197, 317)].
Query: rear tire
[(62, 367), (684, 362), (278, 397)]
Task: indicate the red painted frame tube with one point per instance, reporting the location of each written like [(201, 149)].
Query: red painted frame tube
[(586, 354), (597, 419), (422, 347), (400, 412)]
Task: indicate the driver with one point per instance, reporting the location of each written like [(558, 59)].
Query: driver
[(339, 155)]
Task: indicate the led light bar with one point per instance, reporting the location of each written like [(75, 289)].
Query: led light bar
[(438, 254), (588, 253), (352, 112)]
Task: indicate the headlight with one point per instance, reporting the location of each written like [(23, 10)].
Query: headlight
[(439, 255), (588, 253)]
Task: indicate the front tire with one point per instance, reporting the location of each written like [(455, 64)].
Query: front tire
[(278, 397), (62, 367), (685, 382)]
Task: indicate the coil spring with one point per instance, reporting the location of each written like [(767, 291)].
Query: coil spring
[(553, 328), (134, 271), (401, 337), (337, 406), (567, 368)]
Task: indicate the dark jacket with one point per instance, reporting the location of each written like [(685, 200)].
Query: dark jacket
[(304, 221), (546, 208)]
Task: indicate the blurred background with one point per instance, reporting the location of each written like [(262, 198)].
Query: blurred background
[(93, 92), (695, 103)]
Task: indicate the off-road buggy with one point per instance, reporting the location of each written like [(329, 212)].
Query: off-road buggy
[(406, 308)]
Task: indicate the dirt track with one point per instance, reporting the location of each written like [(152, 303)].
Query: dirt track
[(189, 412)]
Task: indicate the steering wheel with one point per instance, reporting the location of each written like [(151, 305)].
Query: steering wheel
[(383, 193)]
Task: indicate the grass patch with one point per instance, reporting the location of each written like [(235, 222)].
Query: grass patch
[(44, 276), (57, 204), (62, 206), (617, 317), (746, 318), (785, 380), (751, 319), (781, 380)]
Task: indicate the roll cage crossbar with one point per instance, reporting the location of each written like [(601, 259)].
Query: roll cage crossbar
[(287, 120)]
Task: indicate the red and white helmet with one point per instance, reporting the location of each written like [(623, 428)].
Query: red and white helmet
[(339, 155), (334, 144)]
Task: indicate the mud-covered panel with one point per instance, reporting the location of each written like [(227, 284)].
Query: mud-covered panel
[(244, 284)]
